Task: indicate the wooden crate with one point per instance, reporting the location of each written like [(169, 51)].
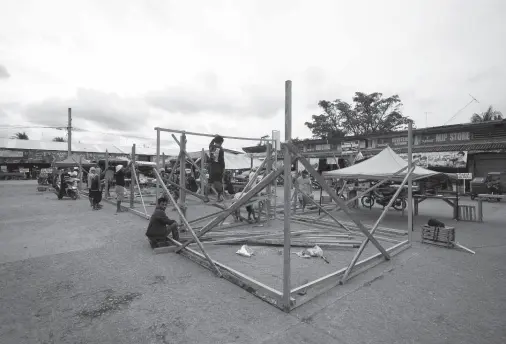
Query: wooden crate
[(442, 236)]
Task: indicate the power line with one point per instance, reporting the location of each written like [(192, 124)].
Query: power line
[(472, 101)]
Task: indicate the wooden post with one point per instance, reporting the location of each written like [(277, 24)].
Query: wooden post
[(107, 195), (157, 161), (202, 168), (410, 181), (480, 210), (182, 177), (269, 187), (132, 182), (80, 172), (287, 194), (275, 135)]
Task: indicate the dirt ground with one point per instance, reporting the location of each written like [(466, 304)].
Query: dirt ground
[(72, 275)]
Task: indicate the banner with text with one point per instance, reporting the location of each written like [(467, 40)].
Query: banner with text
[(439, 159)]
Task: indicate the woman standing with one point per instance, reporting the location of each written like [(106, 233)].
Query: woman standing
[(217, 165)]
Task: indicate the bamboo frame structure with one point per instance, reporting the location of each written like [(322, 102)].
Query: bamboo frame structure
[(290, 297)]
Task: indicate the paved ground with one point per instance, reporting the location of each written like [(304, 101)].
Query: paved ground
[(70, 275)]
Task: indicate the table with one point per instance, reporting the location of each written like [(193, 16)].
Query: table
[(450, 200)]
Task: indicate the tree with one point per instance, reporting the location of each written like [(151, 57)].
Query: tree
[(489, 115), (369, 113), (20, 136), (58, 139)]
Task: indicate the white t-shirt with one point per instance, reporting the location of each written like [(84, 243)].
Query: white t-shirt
[(304, 185)]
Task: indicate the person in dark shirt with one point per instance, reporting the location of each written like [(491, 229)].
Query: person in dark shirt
[(95, 191), (120, 187), (217, 165), (160, 226)]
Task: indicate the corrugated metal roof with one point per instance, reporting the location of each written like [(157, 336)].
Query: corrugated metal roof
[(81, 147)]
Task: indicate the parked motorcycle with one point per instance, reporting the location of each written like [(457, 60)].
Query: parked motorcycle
[(70, 189), (383, 198)]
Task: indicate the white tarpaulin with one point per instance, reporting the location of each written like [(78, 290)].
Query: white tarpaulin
[(380, 166), (239, 161)]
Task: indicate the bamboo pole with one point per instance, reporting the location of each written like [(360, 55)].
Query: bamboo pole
[(322, 209), (239, 203), (410, 181), (187, 225), (184, 152), (157, 160), (287, 188), (182, 177), (376, 224), (134, 174), (202, 175), (209, 135), (269, 187), (375, 186), (132, 184), (336, 199), (107, 195)]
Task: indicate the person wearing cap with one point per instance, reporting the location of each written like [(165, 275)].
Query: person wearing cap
[(120, 187), (217, 165)]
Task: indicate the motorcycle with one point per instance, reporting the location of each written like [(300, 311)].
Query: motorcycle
[(70, 189), (383, 198)]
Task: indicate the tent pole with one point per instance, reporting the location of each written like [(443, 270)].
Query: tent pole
[(410, 181)]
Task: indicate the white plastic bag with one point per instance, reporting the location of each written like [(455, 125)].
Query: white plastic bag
[(245, 251)]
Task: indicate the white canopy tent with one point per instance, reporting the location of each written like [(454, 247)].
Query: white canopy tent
[(380, 166)]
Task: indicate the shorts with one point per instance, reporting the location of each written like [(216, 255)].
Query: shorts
[(120, 193), (304, 199)]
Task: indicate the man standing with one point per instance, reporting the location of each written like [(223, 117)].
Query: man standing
[(109, 177), (160, 226), (304, 184), (217, 165), (120, 187)]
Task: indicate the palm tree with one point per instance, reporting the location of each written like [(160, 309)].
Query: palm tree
[(58, 139), (489, 115), (20, 136)]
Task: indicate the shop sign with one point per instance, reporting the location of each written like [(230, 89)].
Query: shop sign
[(349, 146), (439, 159), (442, 138), (5, 153), (464, 175)]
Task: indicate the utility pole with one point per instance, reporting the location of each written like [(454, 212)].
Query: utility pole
[(426, 122), (69, 133)]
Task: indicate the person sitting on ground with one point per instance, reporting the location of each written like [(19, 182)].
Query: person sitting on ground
[(217, 165), (160, 226), (304, 185)]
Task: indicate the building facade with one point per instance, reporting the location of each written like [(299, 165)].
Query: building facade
[(477, 148)]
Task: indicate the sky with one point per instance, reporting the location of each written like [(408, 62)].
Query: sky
[(125, 67)]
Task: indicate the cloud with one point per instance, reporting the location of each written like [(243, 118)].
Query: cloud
[(4, 74), (210, 96), (108, 111)]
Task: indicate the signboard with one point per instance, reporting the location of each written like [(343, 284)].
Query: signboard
[(349, 146), (442, 138), (464, 175), (439, 159), (399, 141), (5, 153)]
